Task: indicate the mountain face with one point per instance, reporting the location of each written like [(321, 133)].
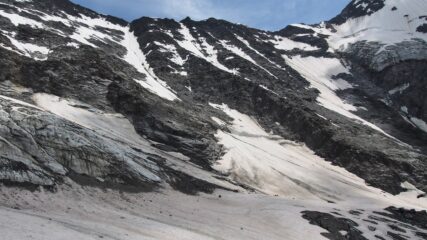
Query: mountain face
[(213, 130)]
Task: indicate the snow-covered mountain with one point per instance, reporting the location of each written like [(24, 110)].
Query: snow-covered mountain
[(158, 129)]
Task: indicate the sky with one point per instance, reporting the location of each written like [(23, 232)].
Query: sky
[(262, 14)]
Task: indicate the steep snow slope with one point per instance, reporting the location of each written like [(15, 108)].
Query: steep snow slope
[(396, 22)]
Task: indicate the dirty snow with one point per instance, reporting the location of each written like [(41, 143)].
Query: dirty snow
[(90, 214), (276, 166), (18, 19), (399, 89)]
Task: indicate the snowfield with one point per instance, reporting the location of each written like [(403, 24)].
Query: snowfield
[(276, 166), (262, 182), (91, 213)]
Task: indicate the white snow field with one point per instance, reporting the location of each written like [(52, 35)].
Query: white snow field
[(91, 213), (287, 178)]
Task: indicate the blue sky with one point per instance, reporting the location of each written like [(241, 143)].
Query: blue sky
[(263, 14)]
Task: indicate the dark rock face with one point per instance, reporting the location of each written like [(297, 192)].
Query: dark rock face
[(412, 217), (422, 28), (406, 85), (338, 228), (395, 223)]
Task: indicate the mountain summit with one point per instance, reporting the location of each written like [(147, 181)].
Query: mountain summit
[(159, 129)]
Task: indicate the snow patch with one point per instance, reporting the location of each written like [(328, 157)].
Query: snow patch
[(266, 88), (399, 89), (218, 121), (404, 109), (30, 50), (73, 44), (287, 44), (419, 123), (20, 20)]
